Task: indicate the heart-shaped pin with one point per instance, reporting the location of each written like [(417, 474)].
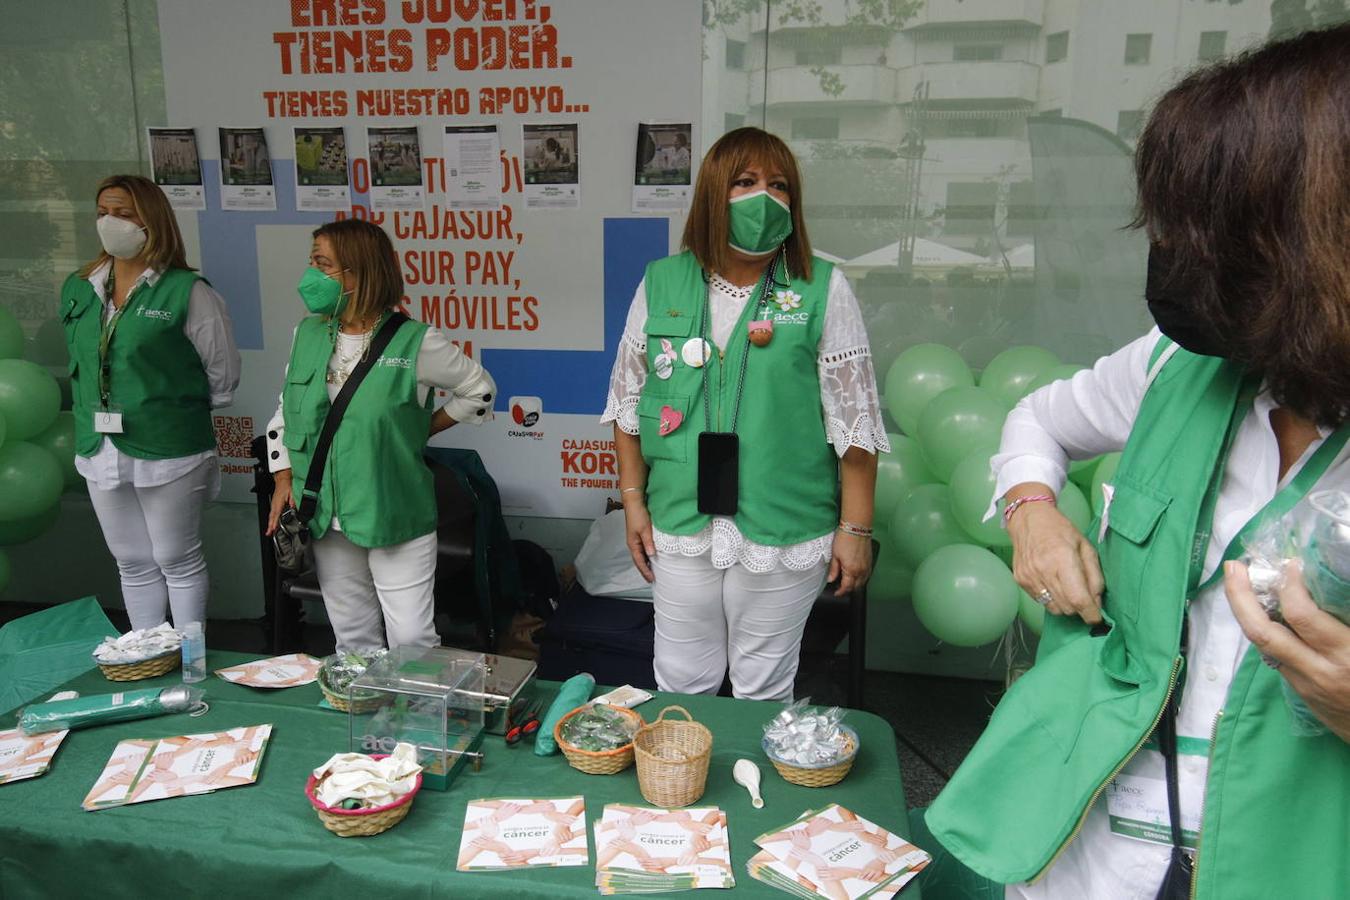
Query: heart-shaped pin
[(670, 420)]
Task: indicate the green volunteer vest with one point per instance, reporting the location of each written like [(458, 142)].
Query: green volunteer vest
[(1275, 821), (157, 379), (375, 481), (789, 475)]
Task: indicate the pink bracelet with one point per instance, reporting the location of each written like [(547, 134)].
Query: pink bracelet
[(1015, 505)]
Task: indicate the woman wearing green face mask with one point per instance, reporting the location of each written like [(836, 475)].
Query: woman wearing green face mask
[(747, 426), (375, 519)]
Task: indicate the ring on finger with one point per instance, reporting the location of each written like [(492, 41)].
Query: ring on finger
[(1044, 598)]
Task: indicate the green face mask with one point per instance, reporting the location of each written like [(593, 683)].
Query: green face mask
[(321, 292), (760, 222)]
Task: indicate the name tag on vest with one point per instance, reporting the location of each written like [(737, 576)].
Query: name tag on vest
[(107, 421)]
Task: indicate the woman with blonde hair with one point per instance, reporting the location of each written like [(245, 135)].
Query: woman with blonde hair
[(747, 426), (374, 518), (151, 354)]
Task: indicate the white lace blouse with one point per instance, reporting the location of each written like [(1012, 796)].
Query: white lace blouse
[(848, 397)]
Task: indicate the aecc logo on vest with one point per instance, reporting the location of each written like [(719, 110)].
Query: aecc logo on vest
[(525, 412), (163, 315)]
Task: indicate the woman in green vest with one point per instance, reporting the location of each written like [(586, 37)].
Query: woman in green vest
[(151, 354), (747, 426), (374, 525), (1151, 750)]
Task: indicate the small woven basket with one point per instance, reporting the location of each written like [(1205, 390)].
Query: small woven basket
[(142, 668), (672, 759), (821, 776), (597, 762), (362, 822), (347, 703)]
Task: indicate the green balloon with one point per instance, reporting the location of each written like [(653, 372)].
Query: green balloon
[(923, 523), (29, 398), (1105, 471), (4, 570), (918, 375), (1049, 376), (1075, 507), (11, 335), (898, 473), (1005, 554), (59, 441), (30, 480), (48, 346), (21, 531), (3, 428), (1030, 612), (954, 422), (1080, 472), (972, 489), (1010, 374), (965, 595), (891, 579)]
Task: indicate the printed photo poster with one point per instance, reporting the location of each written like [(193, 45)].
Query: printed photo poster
[(473, 167), (322, 180), (552, 179), (395, 168), (245, 170), (662, 173), (176, 166)]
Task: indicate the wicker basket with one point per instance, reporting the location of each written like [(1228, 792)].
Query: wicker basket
[(142, 668), (597, 762), (672, 759), (345, 703), (362, 822), (821, 776)]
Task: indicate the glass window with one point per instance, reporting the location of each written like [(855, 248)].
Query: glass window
[(1137, 49), (816, 128), (1129, 122), (970, 207), (972, 128), (819, 56), (1021, 208), (732, 121), (735, 54), (977, 52), (1212, 45), (1056, 47)]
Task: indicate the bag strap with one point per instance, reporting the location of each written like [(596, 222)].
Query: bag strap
[(309, 501)]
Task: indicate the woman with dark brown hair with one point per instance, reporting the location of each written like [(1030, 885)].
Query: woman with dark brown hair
[(747, 426), (151, 354), (1151, 743), (374, 519)]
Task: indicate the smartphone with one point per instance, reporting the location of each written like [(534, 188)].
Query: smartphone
[(718, 472)]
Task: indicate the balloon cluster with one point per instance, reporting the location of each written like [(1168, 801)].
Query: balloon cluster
[(935, 486), (37, 444)]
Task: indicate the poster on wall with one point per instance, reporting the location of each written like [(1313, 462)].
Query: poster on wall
[(395, 168), (245, 170), (322, 181), (176, 166), (551, 167), (473, 167), (663, 168)]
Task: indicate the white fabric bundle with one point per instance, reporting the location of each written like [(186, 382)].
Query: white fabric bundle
[(137, 645), (375, 782)]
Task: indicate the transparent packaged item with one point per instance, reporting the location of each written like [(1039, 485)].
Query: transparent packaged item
[(194, 652), (100, 709), (430, 697)]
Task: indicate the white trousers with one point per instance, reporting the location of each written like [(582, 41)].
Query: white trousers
[(709, 620), (378, 594), (154, 533)]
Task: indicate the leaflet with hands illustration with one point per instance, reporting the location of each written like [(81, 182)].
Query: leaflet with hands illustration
[(514, 833), (644, 850), (143, 770)]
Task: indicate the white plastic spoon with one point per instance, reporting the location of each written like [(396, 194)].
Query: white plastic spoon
[(746, 773)]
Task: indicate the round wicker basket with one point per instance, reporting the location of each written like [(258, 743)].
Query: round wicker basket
[(597, 762), (820, 776), (346, 702), (142, 668), (672, 759), (362, 822)]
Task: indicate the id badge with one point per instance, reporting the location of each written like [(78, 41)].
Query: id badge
[(718, 472), (1136, 801), (108, 421)]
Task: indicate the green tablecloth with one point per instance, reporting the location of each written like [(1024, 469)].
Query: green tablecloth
[(265, 839)]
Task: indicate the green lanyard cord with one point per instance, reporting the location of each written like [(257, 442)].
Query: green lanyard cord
[(107, 328)]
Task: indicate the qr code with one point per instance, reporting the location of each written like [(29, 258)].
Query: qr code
[(234, 436)]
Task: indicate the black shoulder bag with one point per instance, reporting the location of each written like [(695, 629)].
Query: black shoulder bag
[(291, 539)]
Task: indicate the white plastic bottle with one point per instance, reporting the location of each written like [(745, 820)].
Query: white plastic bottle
[(194, 652)]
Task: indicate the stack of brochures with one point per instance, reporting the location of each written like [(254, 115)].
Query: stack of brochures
[(648, 851), (834, 853)]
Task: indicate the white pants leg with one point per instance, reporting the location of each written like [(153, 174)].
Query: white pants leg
[(374, 594), (708, 619), (691, 626), (154, 533)]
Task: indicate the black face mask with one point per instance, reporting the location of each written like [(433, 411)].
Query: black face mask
[(1173, 311)]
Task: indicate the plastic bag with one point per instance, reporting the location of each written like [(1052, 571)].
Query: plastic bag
[(598, 728), (805, 735), (1314, 535)]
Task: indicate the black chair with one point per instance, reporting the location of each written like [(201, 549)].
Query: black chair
[(845, 616), (284, 594)]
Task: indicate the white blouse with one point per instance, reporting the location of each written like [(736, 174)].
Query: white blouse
[(848, 398)]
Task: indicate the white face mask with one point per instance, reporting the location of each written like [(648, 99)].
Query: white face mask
[(122, 238)]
